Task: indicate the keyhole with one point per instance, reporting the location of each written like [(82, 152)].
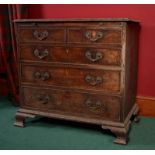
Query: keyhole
[(67, 51), (93, 34)]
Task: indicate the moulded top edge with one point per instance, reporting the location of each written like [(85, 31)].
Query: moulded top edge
[(78, 20)]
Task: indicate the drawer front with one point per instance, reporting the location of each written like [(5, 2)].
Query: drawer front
[(99, 35), (92, 79), (43, 35), (72, 103), (79, 55)]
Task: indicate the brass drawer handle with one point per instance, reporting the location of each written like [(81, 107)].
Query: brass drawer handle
[(93, 56), (41, 54), (93, 105), (43, 99), (93, 35), (40, 35), (43, 76), (93, 80)]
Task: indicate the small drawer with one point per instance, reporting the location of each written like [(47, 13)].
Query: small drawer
[(77, 55), (91, 79), (93, 35), (42, 35), (72, 103)]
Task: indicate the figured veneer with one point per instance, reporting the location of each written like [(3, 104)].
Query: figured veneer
[(82, 70)]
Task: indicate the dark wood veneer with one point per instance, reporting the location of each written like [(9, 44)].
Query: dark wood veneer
[(74, 78), (77, 55), (46, 34), (63, 101), (79, 69)]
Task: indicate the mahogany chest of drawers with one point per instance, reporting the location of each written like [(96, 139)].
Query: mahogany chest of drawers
[(81, 70)]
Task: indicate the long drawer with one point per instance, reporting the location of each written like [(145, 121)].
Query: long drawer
[(72, 103), (91, 79), (77, 55)]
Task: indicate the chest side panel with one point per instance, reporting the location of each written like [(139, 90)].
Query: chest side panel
[(131, 61)]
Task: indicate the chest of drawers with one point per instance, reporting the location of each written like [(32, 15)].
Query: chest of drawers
[(80, 70)]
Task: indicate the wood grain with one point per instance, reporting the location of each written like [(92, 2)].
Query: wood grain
[(107, 20), (78, 35), (73, 78), (76, 55), (55, 35), (72, 103), (79, 69)]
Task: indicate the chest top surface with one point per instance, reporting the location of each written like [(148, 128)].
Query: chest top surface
[(78, 20)]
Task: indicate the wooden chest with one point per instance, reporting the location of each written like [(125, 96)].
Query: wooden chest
[(79, 69)]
